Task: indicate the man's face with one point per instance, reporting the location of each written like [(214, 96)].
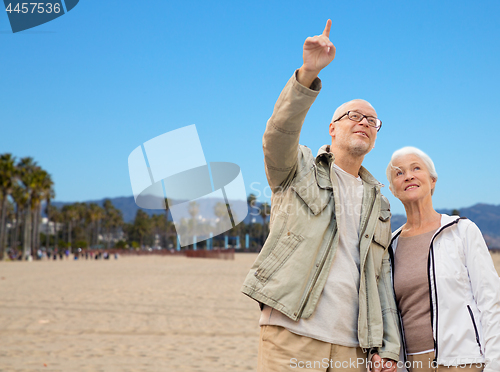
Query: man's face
[(357, 138)]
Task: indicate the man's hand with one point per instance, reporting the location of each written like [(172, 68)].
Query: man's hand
[(318, 53), (382, 364)]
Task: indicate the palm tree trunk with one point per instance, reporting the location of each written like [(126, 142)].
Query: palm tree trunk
[(97, 231), (34, 230), (27, 231), (6, 240), (2, 226), (16, 240), (33, 233), (108, 236), (38, 221), (56, 235), (47, 234), (69, 234)]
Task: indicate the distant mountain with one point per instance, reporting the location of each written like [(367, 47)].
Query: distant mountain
[(485, 216)]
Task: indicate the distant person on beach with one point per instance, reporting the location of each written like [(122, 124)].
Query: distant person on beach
[(322, 277), (447, 288)]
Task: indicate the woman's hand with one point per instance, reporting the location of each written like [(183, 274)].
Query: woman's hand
[(379, 364)]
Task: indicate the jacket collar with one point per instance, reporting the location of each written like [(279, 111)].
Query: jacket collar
[(445, 220), (324, 154)]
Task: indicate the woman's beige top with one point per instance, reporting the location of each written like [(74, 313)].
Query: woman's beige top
[(411, 285)]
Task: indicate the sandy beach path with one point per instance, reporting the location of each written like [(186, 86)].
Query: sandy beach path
[(168, 314), (132, 314)]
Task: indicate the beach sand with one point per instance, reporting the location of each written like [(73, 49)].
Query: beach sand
[(152, 313), (132, 314)]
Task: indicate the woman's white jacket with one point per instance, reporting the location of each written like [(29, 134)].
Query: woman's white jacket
[(465, 295)]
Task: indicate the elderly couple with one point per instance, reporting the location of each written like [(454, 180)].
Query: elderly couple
[(337, 293)]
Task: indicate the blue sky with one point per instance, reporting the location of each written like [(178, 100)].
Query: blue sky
[(81, 92)]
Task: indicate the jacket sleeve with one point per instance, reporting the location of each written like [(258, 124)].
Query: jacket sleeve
[(391, 344), (485, 285), (281, 137)]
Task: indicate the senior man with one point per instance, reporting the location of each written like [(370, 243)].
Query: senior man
[(323, 275)]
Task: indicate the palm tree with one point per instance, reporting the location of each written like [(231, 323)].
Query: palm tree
[(70, 215), (9, 218), (95, 214), (251, 199), (41, 190), (20, 197), (159, 224), (142, 226), (27, 169), (194, 209), (113, 219), (58, 219), (8, 175), (82, 226), (48, 194), (54, 215), (170, 227)]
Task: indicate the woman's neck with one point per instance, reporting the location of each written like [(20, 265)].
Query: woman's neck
[(420, 218)]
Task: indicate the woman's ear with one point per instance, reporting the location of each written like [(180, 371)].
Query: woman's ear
[(390, 188)]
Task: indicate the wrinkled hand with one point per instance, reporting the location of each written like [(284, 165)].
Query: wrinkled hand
[(389, 365), (318, 53), (382, 364)]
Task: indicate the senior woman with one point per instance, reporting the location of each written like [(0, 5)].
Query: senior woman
[(445, 283)]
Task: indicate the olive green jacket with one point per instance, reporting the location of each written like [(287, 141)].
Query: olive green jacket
[(293, 265)]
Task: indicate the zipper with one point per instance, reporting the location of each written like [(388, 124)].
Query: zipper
[(400, 318), (475, 329), (430, 261)]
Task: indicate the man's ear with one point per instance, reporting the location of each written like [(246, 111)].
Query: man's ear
[(331, 130)]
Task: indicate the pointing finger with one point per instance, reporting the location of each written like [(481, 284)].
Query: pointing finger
[(328, 26)]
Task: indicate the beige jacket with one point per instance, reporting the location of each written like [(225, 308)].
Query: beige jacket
[(293, 265)]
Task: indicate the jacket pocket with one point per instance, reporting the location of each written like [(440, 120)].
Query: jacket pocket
[(382, 234), (311, 193), (285, 247), (475, 329)]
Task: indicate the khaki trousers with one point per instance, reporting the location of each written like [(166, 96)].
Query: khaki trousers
[(423, 363), (281, 350)]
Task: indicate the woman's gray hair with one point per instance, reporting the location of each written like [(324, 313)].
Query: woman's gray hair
[(409, 150)]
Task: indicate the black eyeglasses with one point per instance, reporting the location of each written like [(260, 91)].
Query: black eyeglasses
[(356, 116)]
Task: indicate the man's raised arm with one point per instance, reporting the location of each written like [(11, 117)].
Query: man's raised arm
[(281, 138)]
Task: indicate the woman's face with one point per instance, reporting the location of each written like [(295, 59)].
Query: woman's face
[(411, 180)]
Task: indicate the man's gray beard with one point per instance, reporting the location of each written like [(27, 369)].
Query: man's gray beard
[(359, 150)]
